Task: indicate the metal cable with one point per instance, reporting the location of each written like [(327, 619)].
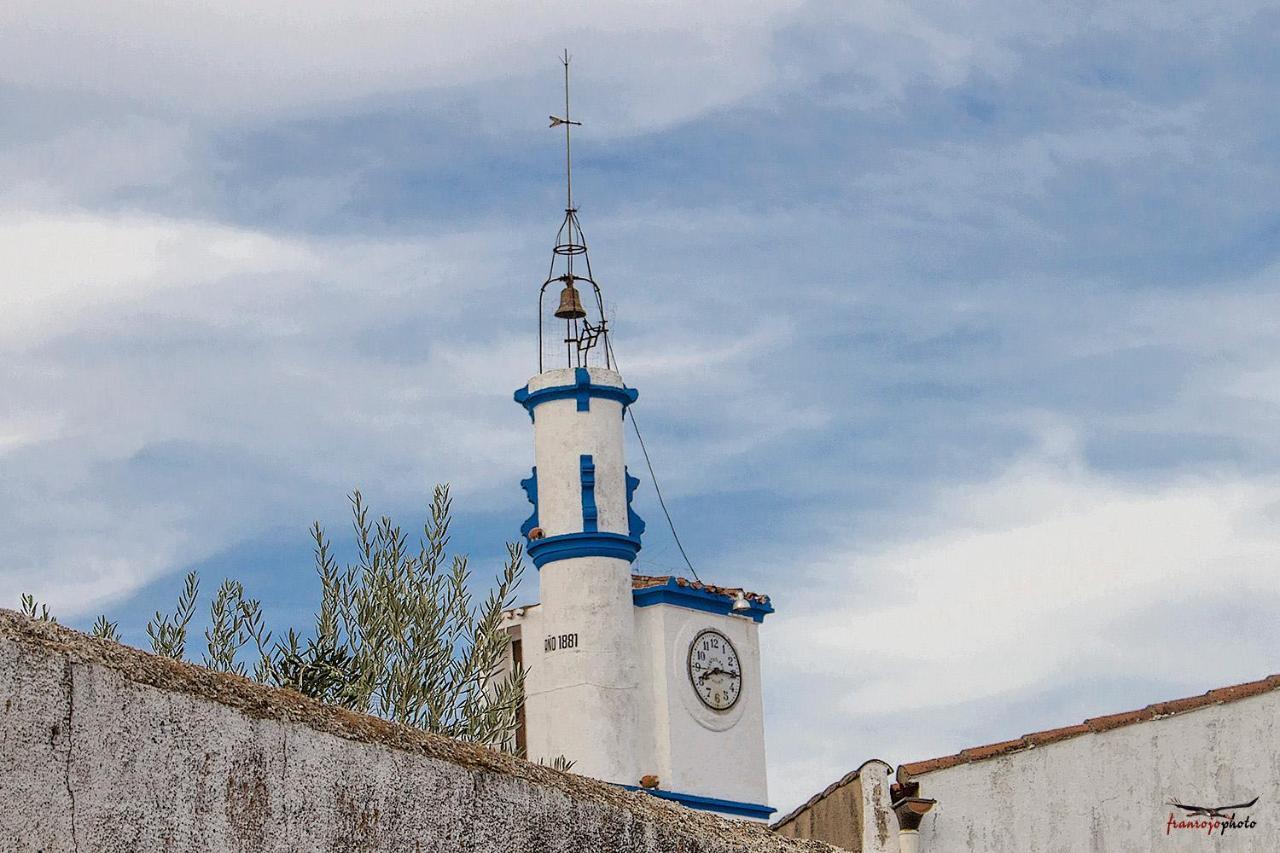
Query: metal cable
[(658, 491), (649, 464)]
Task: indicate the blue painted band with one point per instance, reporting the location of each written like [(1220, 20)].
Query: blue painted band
[(582, 390), (570, 545), (696, 599), (709, 804)]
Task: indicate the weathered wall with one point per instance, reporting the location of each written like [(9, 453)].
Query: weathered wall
[(104, 748), (1109, 790), (853, 813)]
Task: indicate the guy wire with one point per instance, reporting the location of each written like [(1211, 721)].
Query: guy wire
[(652, 476)]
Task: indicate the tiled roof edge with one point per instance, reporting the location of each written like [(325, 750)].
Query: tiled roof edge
[(1093, 725), (824, 793)]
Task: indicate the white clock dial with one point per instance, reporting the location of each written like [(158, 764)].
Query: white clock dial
[(714, 670)]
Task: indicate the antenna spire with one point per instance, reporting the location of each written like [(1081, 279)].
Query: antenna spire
[(582, 332), (556, 121)]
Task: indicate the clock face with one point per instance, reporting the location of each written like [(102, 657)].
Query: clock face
[(714, 670)]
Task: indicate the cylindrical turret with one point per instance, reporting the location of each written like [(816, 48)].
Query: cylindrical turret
[(583, 537)]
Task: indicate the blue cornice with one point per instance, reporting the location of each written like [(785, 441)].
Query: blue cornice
[(696, 599), (571, 545), (709, 804), (581, 390)]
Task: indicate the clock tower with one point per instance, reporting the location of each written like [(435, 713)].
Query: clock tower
[(651, 683)]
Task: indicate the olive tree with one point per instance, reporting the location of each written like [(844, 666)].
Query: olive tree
[(397, 632)]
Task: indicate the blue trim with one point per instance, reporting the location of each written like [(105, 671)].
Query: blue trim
[(570, 545), (709, 804), (635, 524), (696, 599), (582, 390), (530, 485), (590, 515)]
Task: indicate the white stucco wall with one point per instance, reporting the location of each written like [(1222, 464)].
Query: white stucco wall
[(1107, 792), (581, 701), (692, 748)]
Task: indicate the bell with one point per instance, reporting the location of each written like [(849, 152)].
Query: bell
[(570, 305)]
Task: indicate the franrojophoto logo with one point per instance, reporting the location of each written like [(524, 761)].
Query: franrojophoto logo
[(1211, 820)]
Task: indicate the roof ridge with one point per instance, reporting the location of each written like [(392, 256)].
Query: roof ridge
[(825, 792), (1094, 725)]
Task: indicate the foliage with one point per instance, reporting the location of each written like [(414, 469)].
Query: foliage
[(29, 608), (397, 633), (170, 638), (106, 630), (561, 762), (233, 622), (321, 670)]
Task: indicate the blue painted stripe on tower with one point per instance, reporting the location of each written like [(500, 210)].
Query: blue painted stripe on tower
[(583, 380), (590, 515)]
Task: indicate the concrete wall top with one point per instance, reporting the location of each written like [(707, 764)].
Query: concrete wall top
[(105, 747)]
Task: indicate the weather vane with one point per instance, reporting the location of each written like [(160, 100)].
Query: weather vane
[(581, 334), (556, 121)]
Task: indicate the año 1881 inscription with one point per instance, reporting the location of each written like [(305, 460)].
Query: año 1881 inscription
[(557, 642)]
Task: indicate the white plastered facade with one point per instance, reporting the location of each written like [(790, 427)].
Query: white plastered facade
[(1111, 790)]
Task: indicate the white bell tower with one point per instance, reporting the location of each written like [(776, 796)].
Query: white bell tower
[(582, 535), (583, 543), (652, 683)]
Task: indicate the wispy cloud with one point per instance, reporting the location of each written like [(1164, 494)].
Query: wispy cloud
[(1042, 577)]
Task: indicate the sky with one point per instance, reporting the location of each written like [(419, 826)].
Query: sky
[(957, 330)]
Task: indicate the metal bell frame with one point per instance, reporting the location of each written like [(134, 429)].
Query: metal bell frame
[(581, 335)]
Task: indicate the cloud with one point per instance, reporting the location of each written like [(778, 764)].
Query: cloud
[(238, 59), (68, 267), (172, 386), (1001, 590)]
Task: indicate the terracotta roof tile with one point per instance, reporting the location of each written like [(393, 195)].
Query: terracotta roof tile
[(1094, 724), (1115, 721), (977, 753), (1055, 735), (646, 581)]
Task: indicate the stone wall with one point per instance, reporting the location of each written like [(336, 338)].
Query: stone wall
[(105, 748)]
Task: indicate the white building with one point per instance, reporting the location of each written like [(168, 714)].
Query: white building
[(1191, 774), (646, 682)]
